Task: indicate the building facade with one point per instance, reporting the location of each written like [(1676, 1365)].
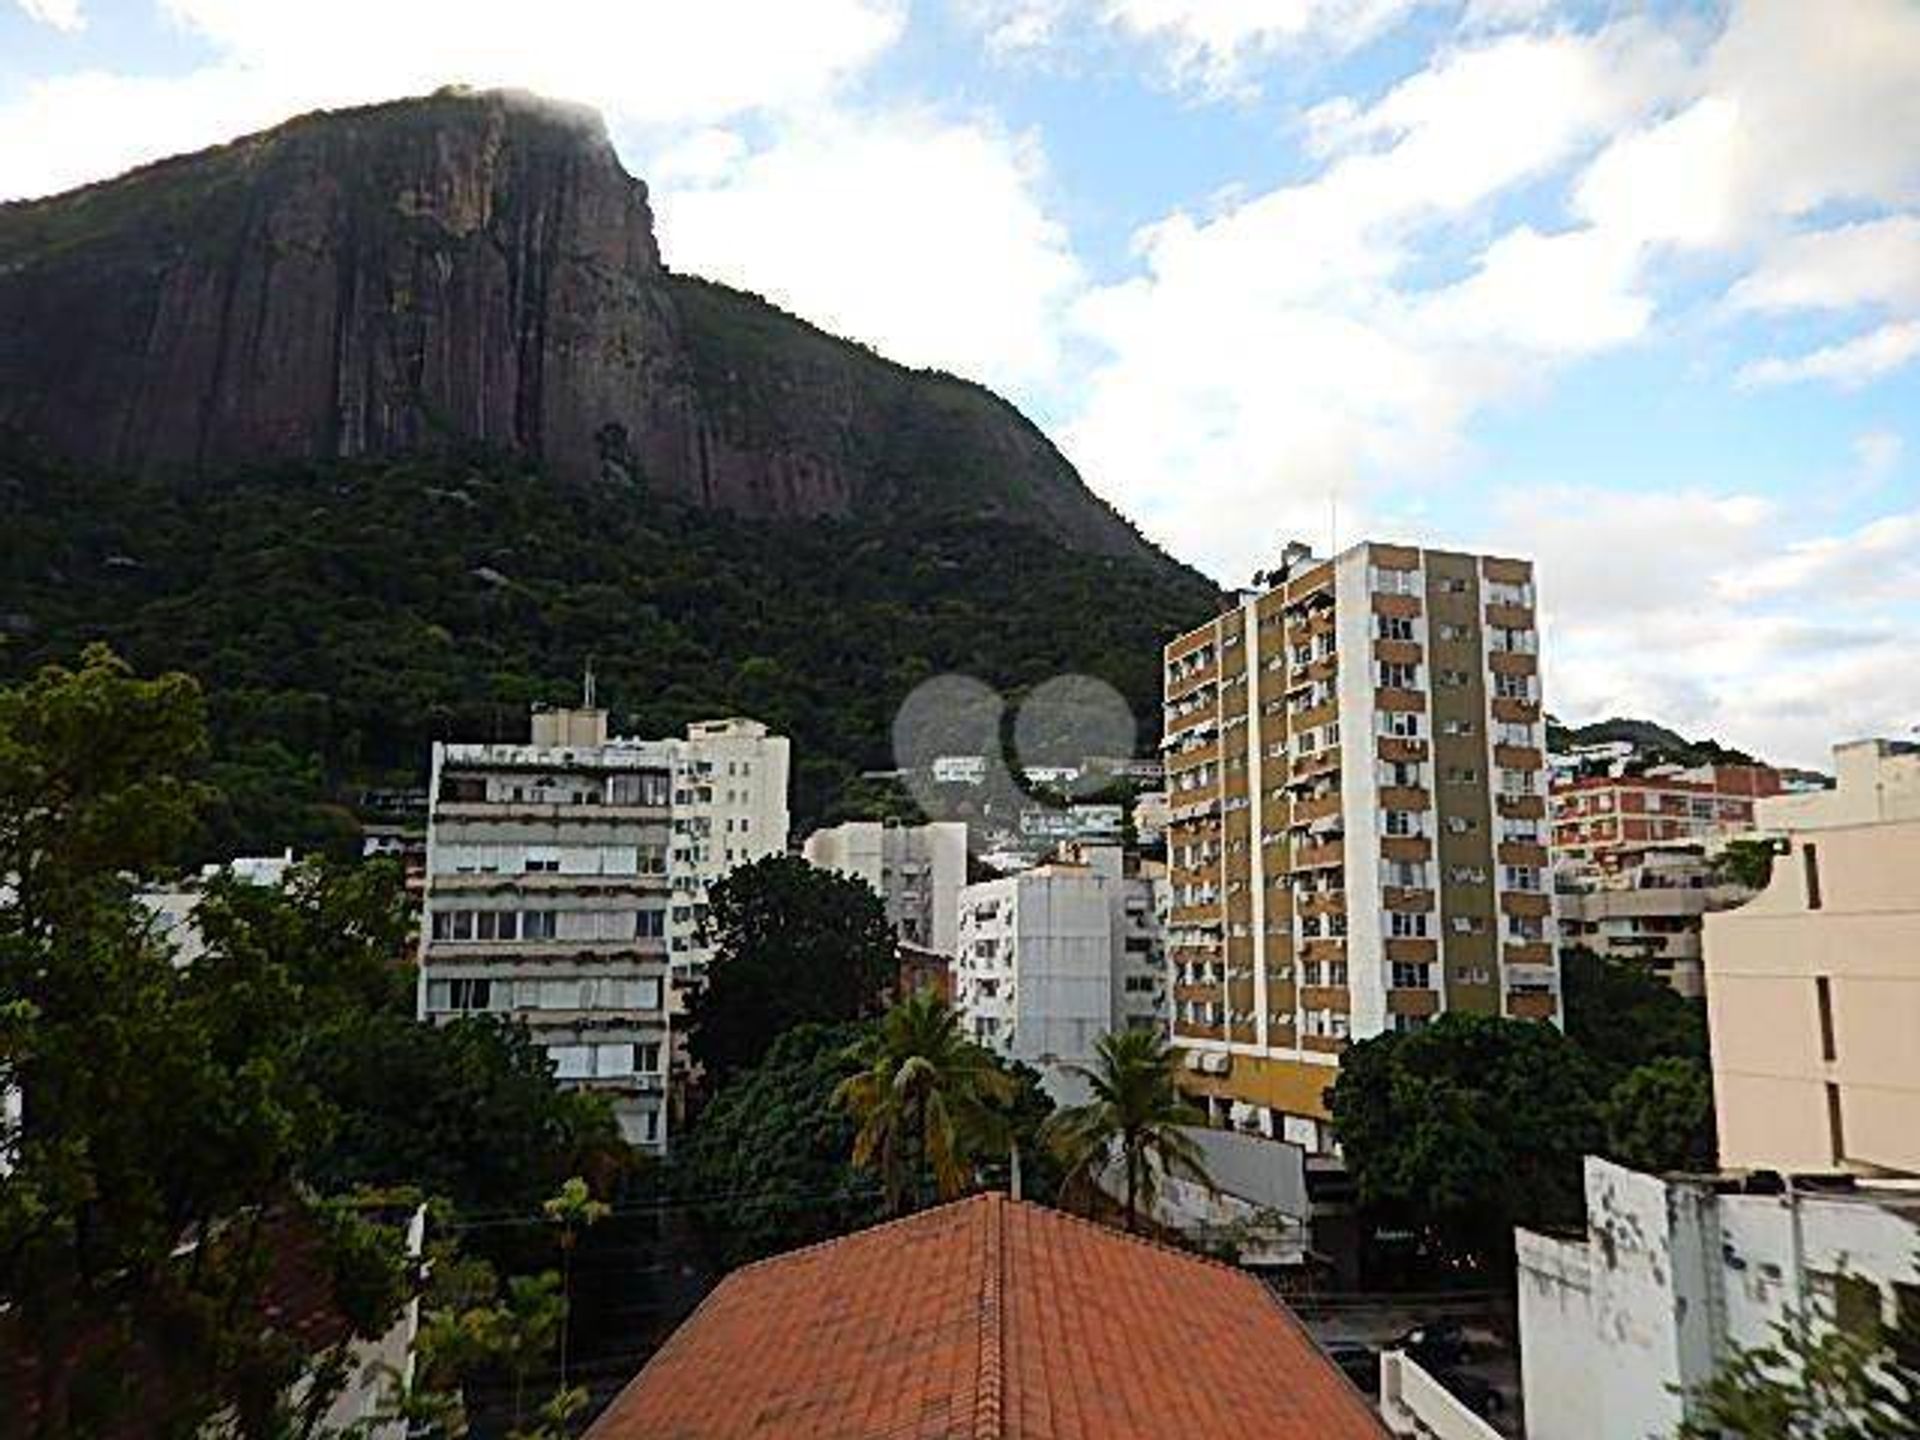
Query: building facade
[(1357, 829), (916, 870), (566, 879), (1620, 1326), (1052, 958), (1611, 820), (1813, 987)]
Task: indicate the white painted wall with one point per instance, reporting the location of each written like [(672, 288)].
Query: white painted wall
[(1615, 1329)]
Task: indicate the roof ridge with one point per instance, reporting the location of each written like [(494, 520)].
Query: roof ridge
[(1147, 1240), (989, 1390), (832, 1240)]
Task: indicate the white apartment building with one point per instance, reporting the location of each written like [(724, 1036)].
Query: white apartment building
[(916, 870), (1617, 1327), (566, 880), (1051, 959)]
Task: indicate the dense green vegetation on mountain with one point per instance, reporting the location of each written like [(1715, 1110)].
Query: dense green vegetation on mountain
[(342, 616)]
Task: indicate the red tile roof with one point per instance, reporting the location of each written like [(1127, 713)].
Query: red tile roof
[(983, 1319)]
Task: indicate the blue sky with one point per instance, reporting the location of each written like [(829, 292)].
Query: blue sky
[(1632, 289)]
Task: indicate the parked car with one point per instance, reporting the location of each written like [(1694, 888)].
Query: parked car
[(1476, 1392), (1437, 1345)]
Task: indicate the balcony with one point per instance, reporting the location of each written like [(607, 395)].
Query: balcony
[(1521, 852), (1395, 897), (1404, 797), (1320, 856), (1513, 662), (1406, 847), (1526, 952), (1413, 1000), (1401, 750), (1508, 616), (1321, 807), (1528, 903), (1517, 757), (1520, 807), (1514, 712), (1320, 762), (1530, 1005), (1412, 949)]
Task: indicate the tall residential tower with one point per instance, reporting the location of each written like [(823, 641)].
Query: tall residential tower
[(1355, 766)]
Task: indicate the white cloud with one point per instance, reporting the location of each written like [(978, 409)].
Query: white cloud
[(61, 14), (1216, 48), (1276, 353), (1848, 363), (1873, 262), (653, 65), (924, 235), (1699, 609)]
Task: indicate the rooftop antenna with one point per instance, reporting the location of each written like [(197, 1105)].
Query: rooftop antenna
[(586, 698)]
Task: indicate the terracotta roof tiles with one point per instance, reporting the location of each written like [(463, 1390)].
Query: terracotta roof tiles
[(988, 1319)]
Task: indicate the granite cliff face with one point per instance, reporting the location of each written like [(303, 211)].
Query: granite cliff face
[(471, 268)]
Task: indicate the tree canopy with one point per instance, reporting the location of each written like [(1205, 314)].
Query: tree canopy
[(1622, 1015), (793, 945), (1659, 1117), (1466, 1128), (180, 1123)]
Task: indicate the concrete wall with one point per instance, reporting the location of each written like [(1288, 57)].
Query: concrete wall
[(1412, 1402), (916, 870), (1765, 964), (1616, 1329)]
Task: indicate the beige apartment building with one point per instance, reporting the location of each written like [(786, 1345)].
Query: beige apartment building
[(1813, 987), (1357, 821)]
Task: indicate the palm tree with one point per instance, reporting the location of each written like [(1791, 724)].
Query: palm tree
[(926, 1098), (1134, 1119)]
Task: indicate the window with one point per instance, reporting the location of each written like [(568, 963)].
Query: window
[(571, 1062), (538, 924), (498, 924), (1407, 924), (1823, 998), (1139, 984), (542, 861), (1403, 773), (1397, 676), (1453, 585), (1408, 975), (1396, 582), (1463, 775), (1401, 724), (1456, 727), (1394, 627), (1466, 875), (1456, 632), (1810, 867), (1836, 1131), (1401, 822), (1508, 732), (1462, 824), (1453, 679), (650, 924), (613, 1060), (1467, 925), (1513, 687), (1522, 877), (1407, 874)]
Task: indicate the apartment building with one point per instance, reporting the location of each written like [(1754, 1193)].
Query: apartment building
[(1052, 958), (1611, 820), (1813, 987), (566, 879), (916, 870), (1357, 820)]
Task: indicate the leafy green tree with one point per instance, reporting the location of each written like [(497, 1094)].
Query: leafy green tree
[(1816, 1381), (1660, 1117), (1748, 863), (1622, 1015), (467, 1111), (792, 944), (156, 1162), (766, 1164), (1466, 1128), (1133, 1121), (927, 1100), (571, 1211)]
